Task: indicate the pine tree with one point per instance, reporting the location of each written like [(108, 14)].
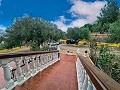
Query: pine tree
[(109, 13)]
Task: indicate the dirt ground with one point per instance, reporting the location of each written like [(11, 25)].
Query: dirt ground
[(74, 48)]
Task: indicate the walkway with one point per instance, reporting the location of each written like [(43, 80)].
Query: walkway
[(59, 76)]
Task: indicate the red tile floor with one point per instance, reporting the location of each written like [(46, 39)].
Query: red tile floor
[(59, 76)]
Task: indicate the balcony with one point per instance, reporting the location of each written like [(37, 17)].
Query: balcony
[(53, 70)]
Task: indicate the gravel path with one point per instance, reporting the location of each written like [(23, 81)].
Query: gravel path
[(74, 48)]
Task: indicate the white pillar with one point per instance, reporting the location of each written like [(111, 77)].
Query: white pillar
[(83, 76), (26, 59), (38, 62), (90, 85), (19, 70), (33, 64), (78, 50), (41, 58), (85, 83), (7, 74)]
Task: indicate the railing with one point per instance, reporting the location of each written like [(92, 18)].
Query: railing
[(27, 64), (92, 78)]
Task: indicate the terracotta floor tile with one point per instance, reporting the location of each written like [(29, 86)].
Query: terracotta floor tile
[(59, 76)]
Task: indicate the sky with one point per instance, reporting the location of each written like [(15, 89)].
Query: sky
[(63, 13)]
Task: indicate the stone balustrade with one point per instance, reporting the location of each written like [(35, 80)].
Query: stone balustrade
[(84, 81), (90, 77), (26, 65)]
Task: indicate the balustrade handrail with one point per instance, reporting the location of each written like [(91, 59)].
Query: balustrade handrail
[(27, 64), (100, 80), (19, 54)]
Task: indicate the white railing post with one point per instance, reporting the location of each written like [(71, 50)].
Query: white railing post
[(41, 58), (7, 74), (26, 59), (78, 50), (19, 70), (90, 85), (85, 83), (33, 64), (38, 62)]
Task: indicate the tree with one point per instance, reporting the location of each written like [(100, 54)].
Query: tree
[(114, 32), (109, 13), (31, 29), (78, 33), (88, 26)]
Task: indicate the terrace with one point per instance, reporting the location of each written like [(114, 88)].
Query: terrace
[(53, 70)]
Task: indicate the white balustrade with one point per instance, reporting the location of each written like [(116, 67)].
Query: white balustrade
[(84, 82), (7, 73), (41, 62), (33, 64), (90, 86), (27, 67), (19, 70), (38, 62)]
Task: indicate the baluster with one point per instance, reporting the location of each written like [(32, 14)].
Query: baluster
[(90, 85), (43, 59), (83, 76), (48, 60), (57, 56), (33, 64), (19, 70), (7, 74), (53, 56), (85, 83), (38, 62), (78, 50), (82, 79), (26, 59)]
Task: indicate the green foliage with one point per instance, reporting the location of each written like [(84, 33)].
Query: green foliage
[(114, 32), (116, 75), (109, 13), (88, 26), (93, 51), (78, 33), (103, 58), (26, 29), (96, 27)]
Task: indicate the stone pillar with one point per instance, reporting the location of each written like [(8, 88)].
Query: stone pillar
[(85, 83), (41, 58), (90, 85), (26, 59), (19, 70), (38, 62), (78, 50), (7, 74), (33, 64)]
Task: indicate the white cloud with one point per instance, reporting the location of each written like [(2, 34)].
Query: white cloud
[(84, 12), (25, 15), (88, 9), (61, 23), (2, 28)]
